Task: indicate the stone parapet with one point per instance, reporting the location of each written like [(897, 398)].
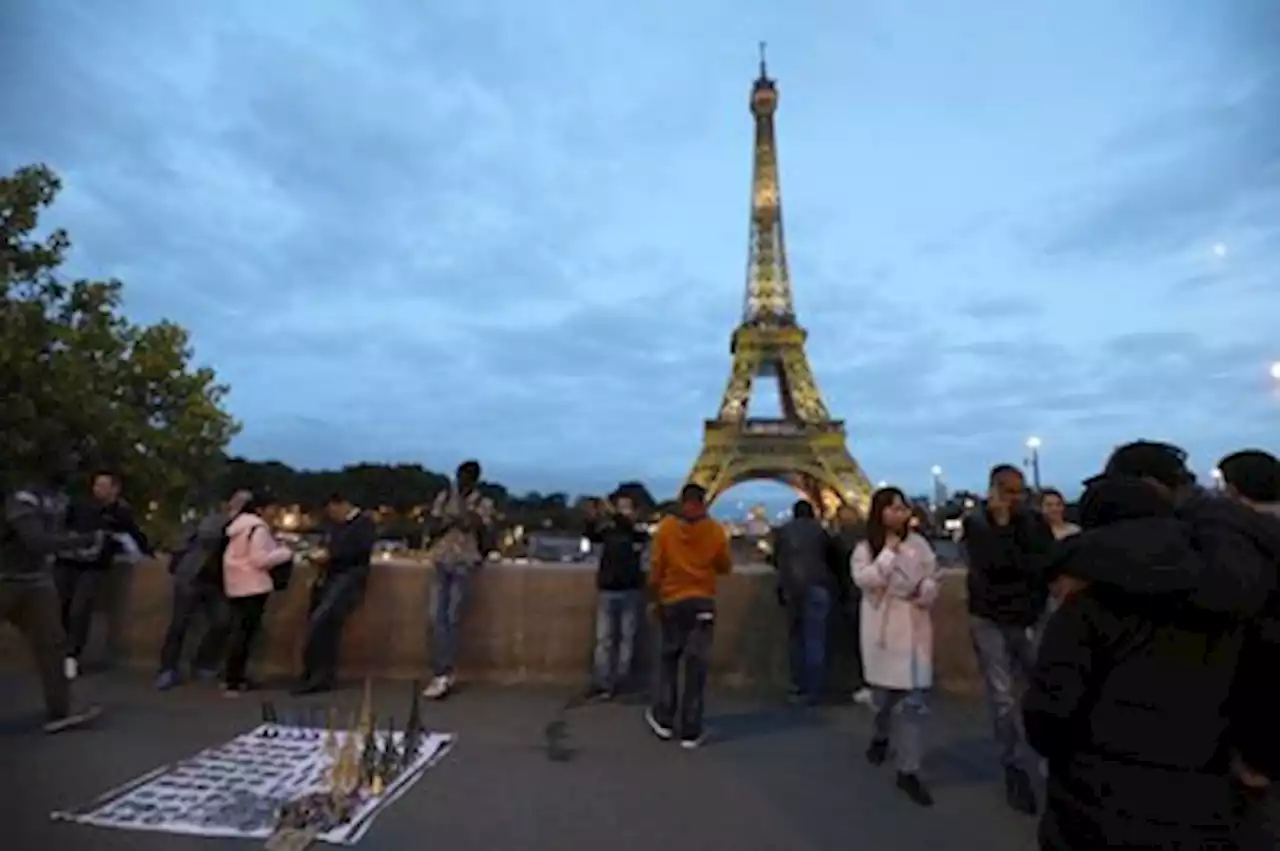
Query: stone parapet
[(523, 623)]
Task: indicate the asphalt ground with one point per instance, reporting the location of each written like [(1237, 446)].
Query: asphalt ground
[(531, 771)]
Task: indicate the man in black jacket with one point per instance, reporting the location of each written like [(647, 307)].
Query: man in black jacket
[(848, 532), (620, 582), (32, 531), (1252, 478), (342, 573), (81, 574), (802, 554), (1130, 694), (1007, 545)]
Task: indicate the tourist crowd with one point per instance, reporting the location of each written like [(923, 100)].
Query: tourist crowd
[(1129, 659)]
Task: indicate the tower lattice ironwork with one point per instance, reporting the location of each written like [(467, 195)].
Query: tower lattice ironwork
[(804, 448)]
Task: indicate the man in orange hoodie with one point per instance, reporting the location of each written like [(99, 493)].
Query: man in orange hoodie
[(689, 553)]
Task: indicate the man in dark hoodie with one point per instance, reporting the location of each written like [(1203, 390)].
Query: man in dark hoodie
[(620, 588), (196, 567), (342, 574), (1252, 478), (1007, 545), (32, 532), (690, 553), (1129, 698), (802, 555)]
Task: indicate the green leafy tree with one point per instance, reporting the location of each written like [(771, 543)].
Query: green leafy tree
[(75, 372)]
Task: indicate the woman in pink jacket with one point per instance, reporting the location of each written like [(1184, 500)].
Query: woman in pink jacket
[(252, 552), (897, 572)]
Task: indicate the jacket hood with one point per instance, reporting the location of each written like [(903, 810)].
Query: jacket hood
[(1131, 540), (244, 522), (1260, 527)]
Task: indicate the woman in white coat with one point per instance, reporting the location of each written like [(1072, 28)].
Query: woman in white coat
[(897, 572)]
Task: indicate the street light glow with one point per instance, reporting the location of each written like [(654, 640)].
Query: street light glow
[(1275, 370), (936, 470), (1033, 442)]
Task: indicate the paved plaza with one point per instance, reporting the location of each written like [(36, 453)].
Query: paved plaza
[(533, 772)]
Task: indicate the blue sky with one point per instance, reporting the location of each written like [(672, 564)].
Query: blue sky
[(517, 230)]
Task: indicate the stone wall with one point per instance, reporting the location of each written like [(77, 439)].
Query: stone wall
[(524, 623)]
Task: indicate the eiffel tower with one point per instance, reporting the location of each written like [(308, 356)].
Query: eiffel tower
[(805, 448)]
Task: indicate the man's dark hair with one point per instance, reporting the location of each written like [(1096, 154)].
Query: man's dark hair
[(261, 498), (1003, 469), (108, 473), (337, 498), (1253, 473), (693, 493), (802, 509), (469, 469), (1149, 459)]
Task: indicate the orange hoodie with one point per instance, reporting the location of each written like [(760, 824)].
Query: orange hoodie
[(688, 555)]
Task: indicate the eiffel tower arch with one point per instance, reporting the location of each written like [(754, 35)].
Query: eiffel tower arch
[(805, 447)]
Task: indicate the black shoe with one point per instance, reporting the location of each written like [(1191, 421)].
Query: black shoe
[(915, 788), (1018, 791), (307, 687), (877, 751)]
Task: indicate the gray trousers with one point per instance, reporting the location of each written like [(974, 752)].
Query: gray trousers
[(1006, 655), (34, 609), (899, 721)]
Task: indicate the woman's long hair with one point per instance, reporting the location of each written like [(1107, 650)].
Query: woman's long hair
[(876, 531)]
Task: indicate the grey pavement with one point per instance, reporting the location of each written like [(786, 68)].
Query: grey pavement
[(532, 773)]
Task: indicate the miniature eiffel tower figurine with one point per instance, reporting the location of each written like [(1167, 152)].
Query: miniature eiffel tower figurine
[(369, 755), (269, 713), (330, 737), (389, 763), (346, 769), (365, 727), (412, 730)]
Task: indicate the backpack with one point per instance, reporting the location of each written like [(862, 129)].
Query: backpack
[(211, 568)]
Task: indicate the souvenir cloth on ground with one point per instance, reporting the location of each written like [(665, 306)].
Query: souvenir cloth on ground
[(238, 788)]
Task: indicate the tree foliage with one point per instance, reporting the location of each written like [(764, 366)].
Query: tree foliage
[(76, 373)]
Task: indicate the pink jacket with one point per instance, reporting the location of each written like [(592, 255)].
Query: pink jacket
[(251, 553), (896, 628)]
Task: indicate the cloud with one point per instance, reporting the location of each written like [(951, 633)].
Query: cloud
[(1208, 163), (518, 232)]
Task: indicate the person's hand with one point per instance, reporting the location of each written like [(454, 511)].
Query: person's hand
[(1066, 587), (1249, 778)]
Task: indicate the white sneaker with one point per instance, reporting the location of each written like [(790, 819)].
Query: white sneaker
[(693, 744), (70, 668), (863, 696), (438, 687), (660, 731)]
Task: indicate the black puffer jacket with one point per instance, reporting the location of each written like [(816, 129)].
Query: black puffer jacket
[(1005, 580), (1129, 698)]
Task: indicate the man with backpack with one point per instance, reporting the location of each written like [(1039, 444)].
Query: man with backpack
[(196, 567)]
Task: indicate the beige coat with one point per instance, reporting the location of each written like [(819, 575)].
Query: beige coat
[(896, 626)]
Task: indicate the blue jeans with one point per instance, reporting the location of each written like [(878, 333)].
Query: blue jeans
[(899, 720), (616, 617), (1006, 655), (450, 592), (687, 627), (807, 612)]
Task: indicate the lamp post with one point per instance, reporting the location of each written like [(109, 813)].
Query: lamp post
[(1216, 475), (1033, 444)]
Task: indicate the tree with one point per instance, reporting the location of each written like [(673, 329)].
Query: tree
[(76, 373)]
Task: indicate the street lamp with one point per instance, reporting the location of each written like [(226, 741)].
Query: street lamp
[(1216, 475), (1275, 370), (1033, 443)]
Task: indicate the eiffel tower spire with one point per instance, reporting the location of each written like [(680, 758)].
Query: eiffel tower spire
[(769, 300)]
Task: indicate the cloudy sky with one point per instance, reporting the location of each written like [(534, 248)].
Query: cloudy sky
[(517, 230)]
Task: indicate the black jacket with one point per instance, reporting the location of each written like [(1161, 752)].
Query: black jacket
[(802, 553), (843, 542), (111, 519), (621, 545), (1255, 715), (32, 530), (1129, 698), (350, 544), (1006, 581)]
